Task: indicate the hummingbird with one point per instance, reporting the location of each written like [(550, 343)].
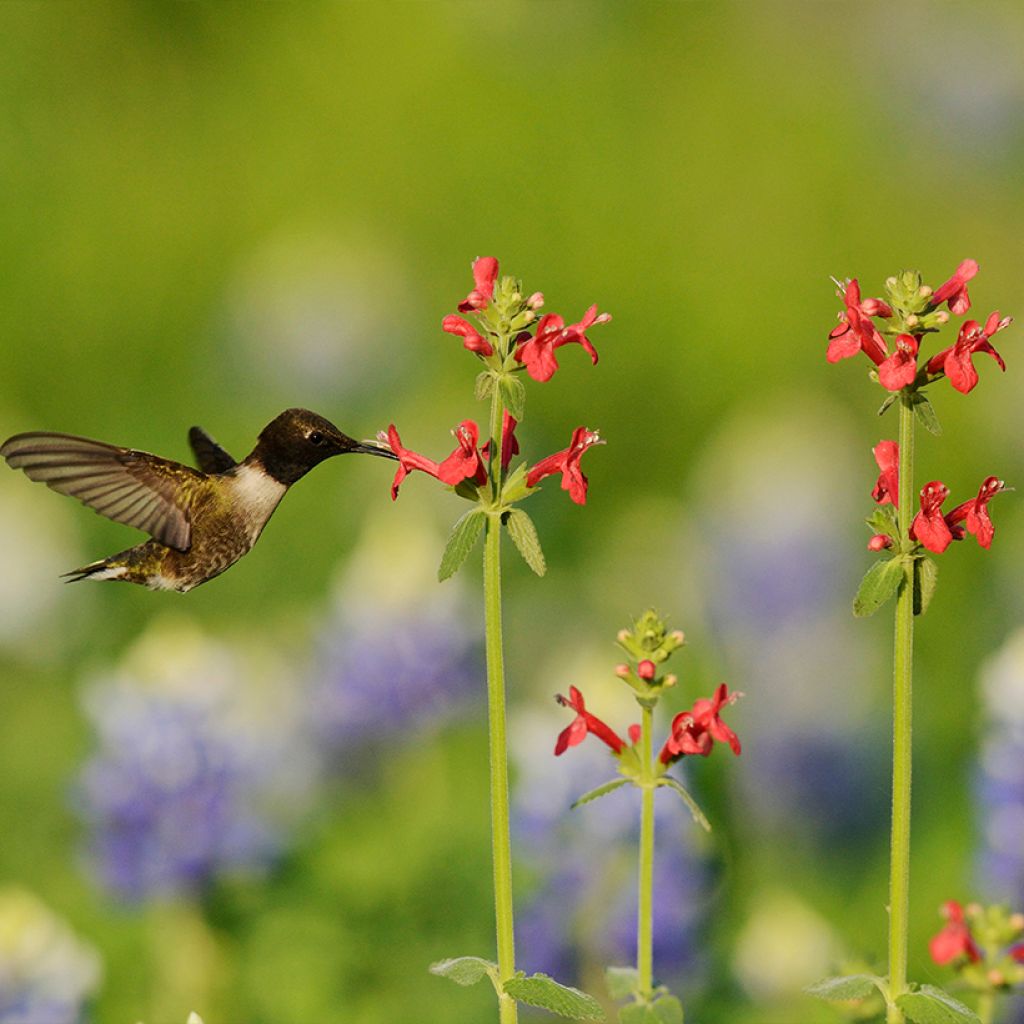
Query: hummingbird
[(200, 521)]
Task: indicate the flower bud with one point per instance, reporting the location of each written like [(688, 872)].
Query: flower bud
[(622, 671), (924, 291), (535, 301), (913, 320), (996, 978), (880, 542), (669, 680), (942, 317), (1017, 922), (646, 670)]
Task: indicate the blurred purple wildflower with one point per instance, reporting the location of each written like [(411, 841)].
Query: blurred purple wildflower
[(201, 770), (46, 973)]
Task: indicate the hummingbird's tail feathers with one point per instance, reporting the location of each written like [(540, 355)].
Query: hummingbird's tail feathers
[(101, 570), (143, 564)]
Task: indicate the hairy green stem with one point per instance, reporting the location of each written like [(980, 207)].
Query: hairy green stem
[(987, 1007), (903, 669), (645, 905), (501, 845)]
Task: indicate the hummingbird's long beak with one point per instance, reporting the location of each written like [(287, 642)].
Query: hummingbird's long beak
[(373, 448)]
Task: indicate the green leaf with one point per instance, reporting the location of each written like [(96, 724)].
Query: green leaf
[(926, 576), (621, 981), (676, 786), (461, 540), (930, 1005), (883, 520), (463, 970), (540, 990), (596, 794), (524, 536), (926, 414), (513, 394), (880, 583), (637, 1013), (668, 1010), (848, 986), (484, 387), (887, 403)]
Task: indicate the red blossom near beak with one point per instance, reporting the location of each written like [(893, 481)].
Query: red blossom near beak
[(485, 273), (407, 461), (955, 939), (855, 332), (509, 442), (584, 722), (473, 340), (900, 368), (955, 289), (537, 354), (694, 731), (956, 361), (975, 512), (887, 489), (929, 525), (465, 462), (567, 462)]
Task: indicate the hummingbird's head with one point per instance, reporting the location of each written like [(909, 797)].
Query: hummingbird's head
[(297, 440)]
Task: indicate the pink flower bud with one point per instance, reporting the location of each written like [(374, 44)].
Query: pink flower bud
[(622, 671), (880, 542), (646, 670), (535, 301)]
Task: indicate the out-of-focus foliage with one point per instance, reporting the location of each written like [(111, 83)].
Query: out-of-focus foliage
[(212, 212)]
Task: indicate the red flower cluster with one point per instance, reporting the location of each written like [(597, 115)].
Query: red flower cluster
[(535, 352), (856, 332), (693, 732), (933, 529), (468, 462), (955, 939)]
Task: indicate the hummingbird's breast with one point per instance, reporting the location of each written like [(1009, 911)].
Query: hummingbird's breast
[(252, 495)]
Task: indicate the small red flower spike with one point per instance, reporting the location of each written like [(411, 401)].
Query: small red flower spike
[(955, 938), (955, 289), (975, 512), (583, 723), (567, 462), (956, 363), (537, 354), (407, 461), (485, 273), (473, 340), (509, 442), (855, 332), (464, 463), (929, 526), (694, 731), (900, 368), (887, 489)]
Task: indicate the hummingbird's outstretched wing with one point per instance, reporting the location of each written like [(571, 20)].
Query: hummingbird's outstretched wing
[(130, 487), (210, 457)]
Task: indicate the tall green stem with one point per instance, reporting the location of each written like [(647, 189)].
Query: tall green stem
[(987, 1007), (903, 669), (501, 846), (645, 908)]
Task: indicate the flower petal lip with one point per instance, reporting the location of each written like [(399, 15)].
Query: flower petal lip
[(887, 488), (567, 462), (900, 369), (694, 731), (485, 272), (582, 724), (929, 525), (537, 354), (955, 939), (465, 462), (473, 340), (956, 362), (954, 291), (975, 512)]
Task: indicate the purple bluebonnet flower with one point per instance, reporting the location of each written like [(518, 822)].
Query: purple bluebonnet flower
[(202, 768), (579, 913), (47, 974), (999, 781), (386, 659)]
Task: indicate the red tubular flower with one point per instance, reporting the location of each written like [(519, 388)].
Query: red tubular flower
[(694, 731), (929, 525), (407, 461), (472, 338), (887, 489), (900, 368), (955, 938), (975, 512), (537, 354), (567, 462), (583, 723), (465, 462), (1017, 953), (509, 442), (955, 289), (956, 361), (485, 273), (855, 332)]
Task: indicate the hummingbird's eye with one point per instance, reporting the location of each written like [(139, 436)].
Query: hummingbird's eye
[(316, 437)]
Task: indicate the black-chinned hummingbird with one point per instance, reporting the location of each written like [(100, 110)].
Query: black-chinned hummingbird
[(201, 521)]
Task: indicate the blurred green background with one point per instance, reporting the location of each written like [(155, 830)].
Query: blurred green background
[(212, 212)]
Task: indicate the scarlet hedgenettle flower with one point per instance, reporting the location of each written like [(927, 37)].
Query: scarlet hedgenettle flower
[(956, 361), (1018, 953), (567, 462), (955, 938), (855, 332), (929, 525), (583, 723), (485, 273), (464, 463), (975, 512), (694, 731), (509, 442), (887, 489), (537, 354), (900, 368), (955, 289), (472, 338)]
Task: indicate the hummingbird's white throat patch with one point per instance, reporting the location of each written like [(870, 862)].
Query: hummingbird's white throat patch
[(257, 494)]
